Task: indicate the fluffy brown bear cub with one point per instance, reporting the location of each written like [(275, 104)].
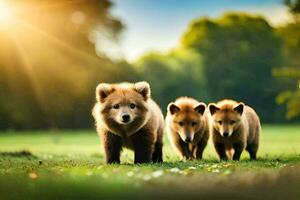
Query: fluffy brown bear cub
[(187, 127), (234, 127), (126, 116)]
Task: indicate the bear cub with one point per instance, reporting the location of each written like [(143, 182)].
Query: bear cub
[(234, 127), (126, 116), (187, 127)]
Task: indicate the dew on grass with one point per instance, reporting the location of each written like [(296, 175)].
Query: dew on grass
[(175, 170), (157, 173), (183, 173), (214, 166), (130, 174), (227, 165), (215, 171), (192, 167)]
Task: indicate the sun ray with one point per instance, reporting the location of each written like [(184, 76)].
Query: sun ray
[(54, 5), (58, 41), (34, 84), (6, 14), (20, 23), (5, 64)]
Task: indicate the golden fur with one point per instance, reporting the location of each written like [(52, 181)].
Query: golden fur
[(141, 132), (234, 127), (187, 127)]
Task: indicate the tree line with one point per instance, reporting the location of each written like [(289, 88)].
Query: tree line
[(49, 67)]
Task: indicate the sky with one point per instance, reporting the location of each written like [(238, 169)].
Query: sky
[(157, 25)]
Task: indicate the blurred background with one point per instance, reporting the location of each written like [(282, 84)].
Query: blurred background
[(53, 53)]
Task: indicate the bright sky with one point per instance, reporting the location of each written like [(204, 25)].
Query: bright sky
[(158, 24)]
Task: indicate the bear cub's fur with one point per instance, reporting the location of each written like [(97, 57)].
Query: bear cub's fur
[(187, 127), (126, 116), (234, 127)]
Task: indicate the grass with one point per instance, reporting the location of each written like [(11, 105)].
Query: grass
[(70, 165)]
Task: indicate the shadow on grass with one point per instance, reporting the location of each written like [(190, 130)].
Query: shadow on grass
[(20, 154)]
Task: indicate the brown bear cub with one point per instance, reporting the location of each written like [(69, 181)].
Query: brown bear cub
[(187, 127), (126, 116), (234, 127)]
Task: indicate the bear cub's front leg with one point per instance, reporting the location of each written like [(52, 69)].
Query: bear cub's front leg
[(143, 146), (185, 151), (112, 148)]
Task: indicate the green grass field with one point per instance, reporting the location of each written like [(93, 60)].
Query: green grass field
[(70, 165)]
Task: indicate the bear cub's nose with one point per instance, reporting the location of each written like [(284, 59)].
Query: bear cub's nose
[(187, 140), (125, 118), (226, 134)]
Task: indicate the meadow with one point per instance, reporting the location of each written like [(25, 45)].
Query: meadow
[(70, 165)]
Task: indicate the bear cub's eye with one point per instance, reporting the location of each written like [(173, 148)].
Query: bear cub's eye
[(220, 122), (116, 106), (132, 106), (232, 122), (194, 123), (180, 123)]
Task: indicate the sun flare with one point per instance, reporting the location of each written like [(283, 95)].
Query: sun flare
[(6, 14)]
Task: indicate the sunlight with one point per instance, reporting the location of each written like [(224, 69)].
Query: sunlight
[(60, 43), (6, 14), (29, 71)]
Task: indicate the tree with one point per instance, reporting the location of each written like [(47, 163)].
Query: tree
[(294, 7), (177, 73), (290, 72), (49, 66), (239, 52)]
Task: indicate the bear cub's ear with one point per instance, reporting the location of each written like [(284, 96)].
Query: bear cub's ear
[(172, 108), (102, 91), (213, 108), (200, 108), (239, 108), (143, 88)]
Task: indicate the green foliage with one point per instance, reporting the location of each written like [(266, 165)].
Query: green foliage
[(292, 100), (48, 65), (291, 95), (239, 52), (290, 34), (178, 73), (294, 7), (49, 81)]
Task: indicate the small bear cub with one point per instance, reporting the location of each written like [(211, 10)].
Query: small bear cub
[(234, 127), (187, 127), (126, 116)]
